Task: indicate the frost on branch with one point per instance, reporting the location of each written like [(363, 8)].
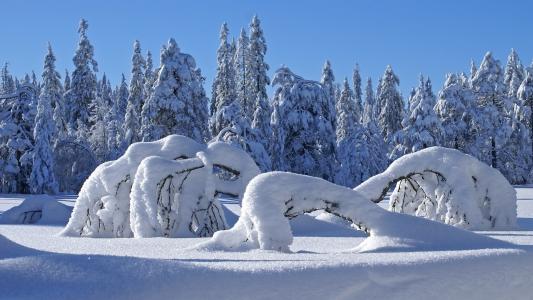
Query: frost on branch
[(176, 183), (446, 174), (446, 185)]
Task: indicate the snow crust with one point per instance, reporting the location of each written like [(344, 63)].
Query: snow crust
[(267, 207), (446, 185), (37, 209)]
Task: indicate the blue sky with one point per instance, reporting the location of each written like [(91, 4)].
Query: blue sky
[(428, 37)]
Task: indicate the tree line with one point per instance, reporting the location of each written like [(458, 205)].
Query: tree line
[(53, 138)]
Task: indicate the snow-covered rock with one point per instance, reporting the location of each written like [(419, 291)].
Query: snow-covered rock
[(446, 185), (176, 182), (37, 209), (267, 208)]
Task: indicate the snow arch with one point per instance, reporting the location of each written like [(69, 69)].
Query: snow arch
[(267, 208), (103, 205), (179, 198), (446, 185)]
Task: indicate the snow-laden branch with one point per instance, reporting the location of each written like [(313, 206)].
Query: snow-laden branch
[(272, 198), (446, 185), (174, 192), (442, 184)]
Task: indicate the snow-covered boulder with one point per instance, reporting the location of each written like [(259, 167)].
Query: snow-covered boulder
[(271, 199), (37, 209), (446, 185), (103, 205)]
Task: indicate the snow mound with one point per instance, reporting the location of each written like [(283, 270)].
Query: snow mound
[(446, 185), (171, 186), (271, 199), (37, 209)]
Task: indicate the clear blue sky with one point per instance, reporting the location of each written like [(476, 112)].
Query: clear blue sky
[(429, 37)]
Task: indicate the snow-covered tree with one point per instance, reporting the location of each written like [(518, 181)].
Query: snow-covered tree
[(82, 89), (7, 82), (132, 120), (241, 61), (491, 130), (454, 108), (357, 93), (178, 104), (328, 81), (302, 125), (149, 78), (369, 110), (42, 178), (390, 104), (223, 93), (525, 94), (514, 74), (421, 127), (360, 150)]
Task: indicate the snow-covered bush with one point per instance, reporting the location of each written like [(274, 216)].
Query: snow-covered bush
[(446, 185), (103, 205), (38, 209), (179, 198), (271, 199)]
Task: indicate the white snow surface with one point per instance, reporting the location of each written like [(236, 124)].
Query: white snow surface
[(37, 209), (169, 185), (36, 263), (271, 198), (459, 189)]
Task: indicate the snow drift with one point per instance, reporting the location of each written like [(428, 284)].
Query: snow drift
[(37, 209), (171, 186), (446, 185), (271, 199)]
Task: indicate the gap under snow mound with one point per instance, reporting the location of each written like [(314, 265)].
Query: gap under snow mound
[(37, 209), (448, 186), (271, 199)]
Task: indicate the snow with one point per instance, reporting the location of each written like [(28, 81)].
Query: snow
[(171, 186), (37, 209), (266, 208), (459, 189), (37, 263)]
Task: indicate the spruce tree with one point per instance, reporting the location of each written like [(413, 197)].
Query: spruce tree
[(132, 122), (357, 93), (178, 104), (83, 85), (42, 178), (391, 104)]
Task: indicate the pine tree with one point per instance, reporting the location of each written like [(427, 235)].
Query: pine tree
[(454, 109), (42, 178), (525, 95), (303, 131), (514, 74), (240, 61), (390, 104), (132, 124), (223, 93), (257, 103), (7, 83), (489, 122), (178, 104), (83, 85), (369, 111), (357, 93), (328, 81), (421, 127)]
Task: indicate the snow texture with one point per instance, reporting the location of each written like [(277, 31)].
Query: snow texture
[(38, 209), (160, 201), (448, 186), (266, 208)]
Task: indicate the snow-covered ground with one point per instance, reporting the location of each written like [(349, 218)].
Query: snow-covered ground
[(36, 263)]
